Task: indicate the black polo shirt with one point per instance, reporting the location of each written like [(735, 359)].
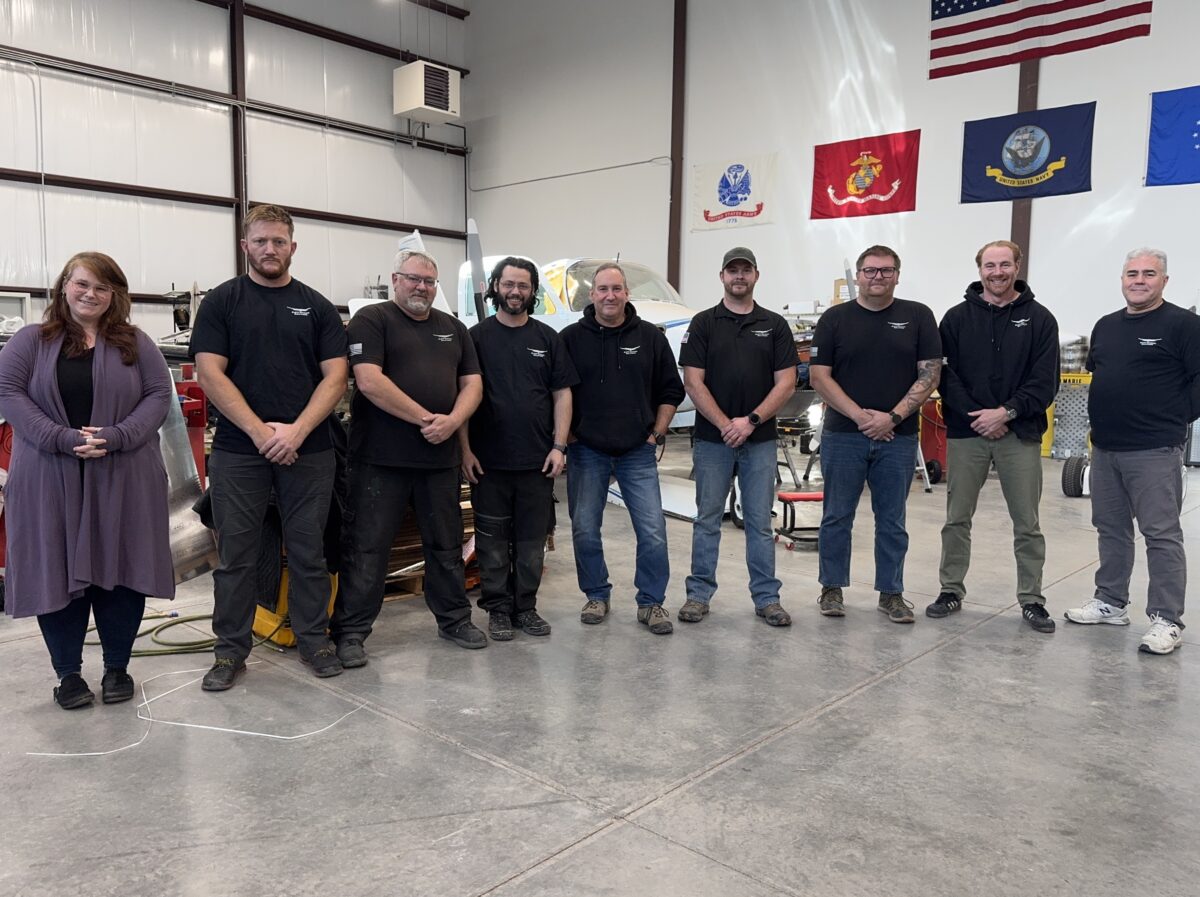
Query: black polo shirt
[(522, 368), (874, 355), (739, 355), (424, 359)]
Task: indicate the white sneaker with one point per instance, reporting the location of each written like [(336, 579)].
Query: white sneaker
[(1162, 637), (1097, 611)]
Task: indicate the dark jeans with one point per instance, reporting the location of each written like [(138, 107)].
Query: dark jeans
[(850, 461), (513, 509), (118, 615), (240, 486), (379, 496)]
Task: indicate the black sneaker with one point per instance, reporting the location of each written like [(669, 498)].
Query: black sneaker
[(72, 692), (466, 635), (351, 653), (894, 605), (774, 614), (531, 623), (946, 604), (324, 662), (116, 686), (500, 626), (1037, 617), (222, 674)]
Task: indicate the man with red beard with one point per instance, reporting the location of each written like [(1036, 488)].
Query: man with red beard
[(999, 377), (271, 356)]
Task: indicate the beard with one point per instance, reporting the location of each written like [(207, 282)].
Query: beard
[(417, 305), (283, 266)]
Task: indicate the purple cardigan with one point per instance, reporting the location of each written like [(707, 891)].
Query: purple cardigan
[(109, 527)]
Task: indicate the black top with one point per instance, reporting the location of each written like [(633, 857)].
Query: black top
[(1145, 378), (625, 373), (275, 339), (874, 355), (75, 386), (522, 367), (739, 355), (999, 356), (424, 359)]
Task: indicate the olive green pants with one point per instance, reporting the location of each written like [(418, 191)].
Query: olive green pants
[(1019, 465)]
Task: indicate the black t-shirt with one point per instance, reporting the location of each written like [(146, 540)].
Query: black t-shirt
[(75, 386), (522, 366), (739, 355), (874, 355), (275, 339), (1145, 378), (424, 359)]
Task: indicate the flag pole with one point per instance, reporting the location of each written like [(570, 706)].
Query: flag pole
[(1022, 209)]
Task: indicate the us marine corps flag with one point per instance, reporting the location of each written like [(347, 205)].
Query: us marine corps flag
[(866, 176), (1046, 152)]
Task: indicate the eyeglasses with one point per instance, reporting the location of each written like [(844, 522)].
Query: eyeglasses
[(871, 273), (508, 285), (416, 279), (99, 289)]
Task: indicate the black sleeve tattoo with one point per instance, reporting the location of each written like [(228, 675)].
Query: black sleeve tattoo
[(928, 374)]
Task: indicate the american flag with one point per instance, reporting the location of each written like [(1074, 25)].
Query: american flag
[(969, 35)]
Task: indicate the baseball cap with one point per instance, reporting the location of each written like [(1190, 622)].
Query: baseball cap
[(739, 253)]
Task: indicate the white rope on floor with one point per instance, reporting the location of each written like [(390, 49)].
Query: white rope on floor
[(151, 720)]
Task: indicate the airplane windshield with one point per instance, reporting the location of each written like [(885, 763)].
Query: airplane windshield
[(644, 283)]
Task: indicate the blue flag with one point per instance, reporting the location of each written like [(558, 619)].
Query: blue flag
[(1174, 137), (1046, 152)]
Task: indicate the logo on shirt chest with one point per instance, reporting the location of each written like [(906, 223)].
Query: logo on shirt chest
[(444, 337), (630, 350), (761, 334), (898, 325), (1145, 341), (538, 353), (1023, 322), (299, 312)]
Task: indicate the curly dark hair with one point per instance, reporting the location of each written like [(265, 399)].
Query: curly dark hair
[(493, 288)]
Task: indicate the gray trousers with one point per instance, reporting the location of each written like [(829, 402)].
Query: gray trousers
[(1146, 485), (1019, 465)]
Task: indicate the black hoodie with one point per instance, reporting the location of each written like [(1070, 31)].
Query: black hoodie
[(625, 373), (999, 355)]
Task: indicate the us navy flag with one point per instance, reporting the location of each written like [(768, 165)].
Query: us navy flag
[(1174, 156), (1046, 152)]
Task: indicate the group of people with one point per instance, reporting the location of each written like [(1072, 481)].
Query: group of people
[(995, 361), (505, 404)]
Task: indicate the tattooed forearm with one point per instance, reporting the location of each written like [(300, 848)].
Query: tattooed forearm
[(928, 374)]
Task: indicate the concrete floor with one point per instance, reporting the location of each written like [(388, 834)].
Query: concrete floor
[(838, 757)]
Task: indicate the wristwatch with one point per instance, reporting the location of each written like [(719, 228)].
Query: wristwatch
[(659, 438), (896, 419), (754, 419), (559, 447), (1010, 413)]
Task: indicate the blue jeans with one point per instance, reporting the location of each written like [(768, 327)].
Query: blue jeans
[(588, 475), (714, 465), (849, 460)]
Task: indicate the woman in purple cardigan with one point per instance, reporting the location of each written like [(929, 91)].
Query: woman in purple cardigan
[(86, 498)]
